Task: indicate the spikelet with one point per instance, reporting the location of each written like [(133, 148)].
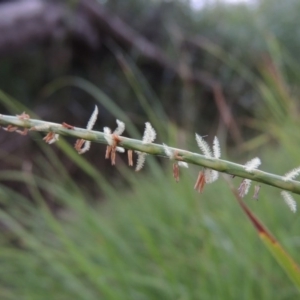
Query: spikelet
[(244, 187), (216, 148), (148, 137), (173, 154), (81, 142), (149, 134), (109, 137), (203, 145), (113, 140), (252, 164), (292, 174), (210, 176), (289, 200)]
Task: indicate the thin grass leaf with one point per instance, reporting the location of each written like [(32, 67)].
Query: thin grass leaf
[(283, 258)]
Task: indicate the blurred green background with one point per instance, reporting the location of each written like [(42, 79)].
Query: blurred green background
[(73, 227)]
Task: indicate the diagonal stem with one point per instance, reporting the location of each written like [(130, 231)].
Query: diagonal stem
[(220, 165)]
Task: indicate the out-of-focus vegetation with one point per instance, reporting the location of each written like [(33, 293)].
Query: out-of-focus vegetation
[(122, 235)]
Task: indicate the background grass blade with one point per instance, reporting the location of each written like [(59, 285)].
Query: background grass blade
[(283, 258)]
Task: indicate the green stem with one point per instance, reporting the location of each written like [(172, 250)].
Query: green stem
[(220, 165)]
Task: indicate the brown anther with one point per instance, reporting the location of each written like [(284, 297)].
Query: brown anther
[(23, 116), (78, 144), (200, 182), (22, 132), (111, 149), (176, 171), (130, 160), (243, 188), (113, 156), (49, 137), (66, 125), (10, 128), (108, 151)]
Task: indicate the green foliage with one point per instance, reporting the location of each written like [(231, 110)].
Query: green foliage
[(154, 240)]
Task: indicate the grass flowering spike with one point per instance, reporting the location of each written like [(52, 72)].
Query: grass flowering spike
[(216, 148), (285, 183), (289, 200), (92, 119), (292, 174), (203, 145), (252, 164)]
